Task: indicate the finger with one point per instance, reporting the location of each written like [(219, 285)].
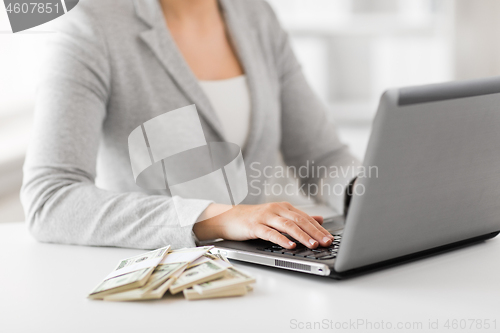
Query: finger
[(290, 227), (313, 221), (271, 235), (305, 224), (318, 219), (314, 230)]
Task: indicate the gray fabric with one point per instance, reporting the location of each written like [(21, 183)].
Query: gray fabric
[(113, 66)]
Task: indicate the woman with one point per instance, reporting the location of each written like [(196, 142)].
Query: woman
[(117, 64)]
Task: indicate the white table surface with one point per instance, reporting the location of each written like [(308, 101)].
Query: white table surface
[(43, 288)]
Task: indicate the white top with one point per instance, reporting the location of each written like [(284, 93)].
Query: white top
[(230, 99), (48, 284)]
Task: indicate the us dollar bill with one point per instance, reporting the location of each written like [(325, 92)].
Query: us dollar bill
[(204, 272), (141, 259), (130, 273), (186, 255), (120, 283), (232, 278), (161, 274), (154, 288), (199, 261), (220, 256), (192, 294), (160, 290)]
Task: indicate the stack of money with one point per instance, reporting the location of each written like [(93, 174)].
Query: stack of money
[(196, 272)]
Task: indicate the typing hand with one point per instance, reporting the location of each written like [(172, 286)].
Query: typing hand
[(265, 221)]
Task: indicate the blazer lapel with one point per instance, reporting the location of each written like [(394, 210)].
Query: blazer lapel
[(160, 41), (158, 38)]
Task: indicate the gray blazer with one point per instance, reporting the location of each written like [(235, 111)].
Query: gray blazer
[(113, 66)]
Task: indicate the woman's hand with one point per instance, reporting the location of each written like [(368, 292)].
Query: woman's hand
[(265, 221)]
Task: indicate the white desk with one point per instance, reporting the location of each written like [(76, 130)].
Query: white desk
[(43, 288)]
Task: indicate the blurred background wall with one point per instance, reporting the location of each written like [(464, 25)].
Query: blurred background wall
[(351, 51)]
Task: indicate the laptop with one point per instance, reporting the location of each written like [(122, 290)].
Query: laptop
[(436, 148)]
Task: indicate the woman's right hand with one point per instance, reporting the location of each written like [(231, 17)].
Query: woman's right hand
[(266, 221)]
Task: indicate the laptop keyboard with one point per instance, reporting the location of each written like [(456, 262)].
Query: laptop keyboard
[(300, 251)]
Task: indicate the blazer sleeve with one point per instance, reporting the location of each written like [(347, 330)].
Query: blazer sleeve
[(309, 138), (61, 201)]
